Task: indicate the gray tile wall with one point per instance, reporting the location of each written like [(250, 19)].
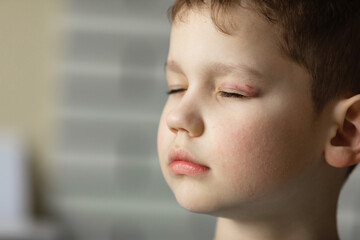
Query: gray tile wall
[(107, 182)]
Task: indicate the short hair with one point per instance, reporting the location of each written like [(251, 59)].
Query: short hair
[(323, 36)]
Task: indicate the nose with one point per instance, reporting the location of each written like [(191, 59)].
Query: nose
[(186, 117)]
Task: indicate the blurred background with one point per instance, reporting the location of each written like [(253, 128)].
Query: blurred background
[(82, 87)]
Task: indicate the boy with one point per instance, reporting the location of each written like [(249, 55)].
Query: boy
[(263, 117)]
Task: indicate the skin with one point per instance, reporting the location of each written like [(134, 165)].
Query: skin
[(268, 178)]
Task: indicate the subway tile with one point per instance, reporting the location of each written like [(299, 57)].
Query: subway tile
[(135, 138), (93, 47), (139, 214), (142, 93), (128, 8), (143, 52), (128, 177)]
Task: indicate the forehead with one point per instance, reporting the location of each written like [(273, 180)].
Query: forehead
[(251, 41)]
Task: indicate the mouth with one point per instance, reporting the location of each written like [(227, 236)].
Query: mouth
[(182, 163)]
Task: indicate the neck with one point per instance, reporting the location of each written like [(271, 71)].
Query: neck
[(310, 218), (306, 213), (290, 229)]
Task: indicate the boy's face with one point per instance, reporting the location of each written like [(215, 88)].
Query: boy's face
[(257, 148)]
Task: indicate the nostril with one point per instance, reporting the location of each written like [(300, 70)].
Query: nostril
[(174, 121), (173, 130), (176, 130)]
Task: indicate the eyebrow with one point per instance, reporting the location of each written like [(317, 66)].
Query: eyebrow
[(218, 68)]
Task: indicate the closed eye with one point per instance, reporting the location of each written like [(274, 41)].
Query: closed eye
[(231, 95), (173, 91)]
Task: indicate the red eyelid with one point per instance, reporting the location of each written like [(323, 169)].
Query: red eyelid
[(247, 89)]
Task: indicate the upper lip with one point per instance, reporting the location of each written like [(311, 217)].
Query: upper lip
[(178, 154)]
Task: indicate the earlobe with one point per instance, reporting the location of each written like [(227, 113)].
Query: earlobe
[(343, 147)]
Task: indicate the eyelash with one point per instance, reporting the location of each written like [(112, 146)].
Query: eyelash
[(222, 94), (231, 95), (173, 91)]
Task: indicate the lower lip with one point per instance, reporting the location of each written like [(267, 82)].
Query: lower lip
[(187, 168)]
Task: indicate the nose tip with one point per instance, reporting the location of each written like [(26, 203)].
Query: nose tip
[(185, 120)]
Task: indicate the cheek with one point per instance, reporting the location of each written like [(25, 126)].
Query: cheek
[(255, 158), (243, 147)]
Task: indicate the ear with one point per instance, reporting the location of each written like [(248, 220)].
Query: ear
[(343, 146)]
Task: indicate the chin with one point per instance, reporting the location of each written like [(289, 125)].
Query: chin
[(196, 200), (196, 205), (210, 206)]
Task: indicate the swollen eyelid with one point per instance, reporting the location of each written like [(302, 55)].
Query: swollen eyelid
[(231, 95)]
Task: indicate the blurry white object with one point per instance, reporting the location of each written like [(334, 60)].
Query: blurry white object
[(14, 184), (16, 221)]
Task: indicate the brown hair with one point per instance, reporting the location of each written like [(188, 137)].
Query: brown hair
[(321, 35)]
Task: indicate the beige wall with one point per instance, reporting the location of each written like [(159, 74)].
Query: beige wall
[(28, 40)]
